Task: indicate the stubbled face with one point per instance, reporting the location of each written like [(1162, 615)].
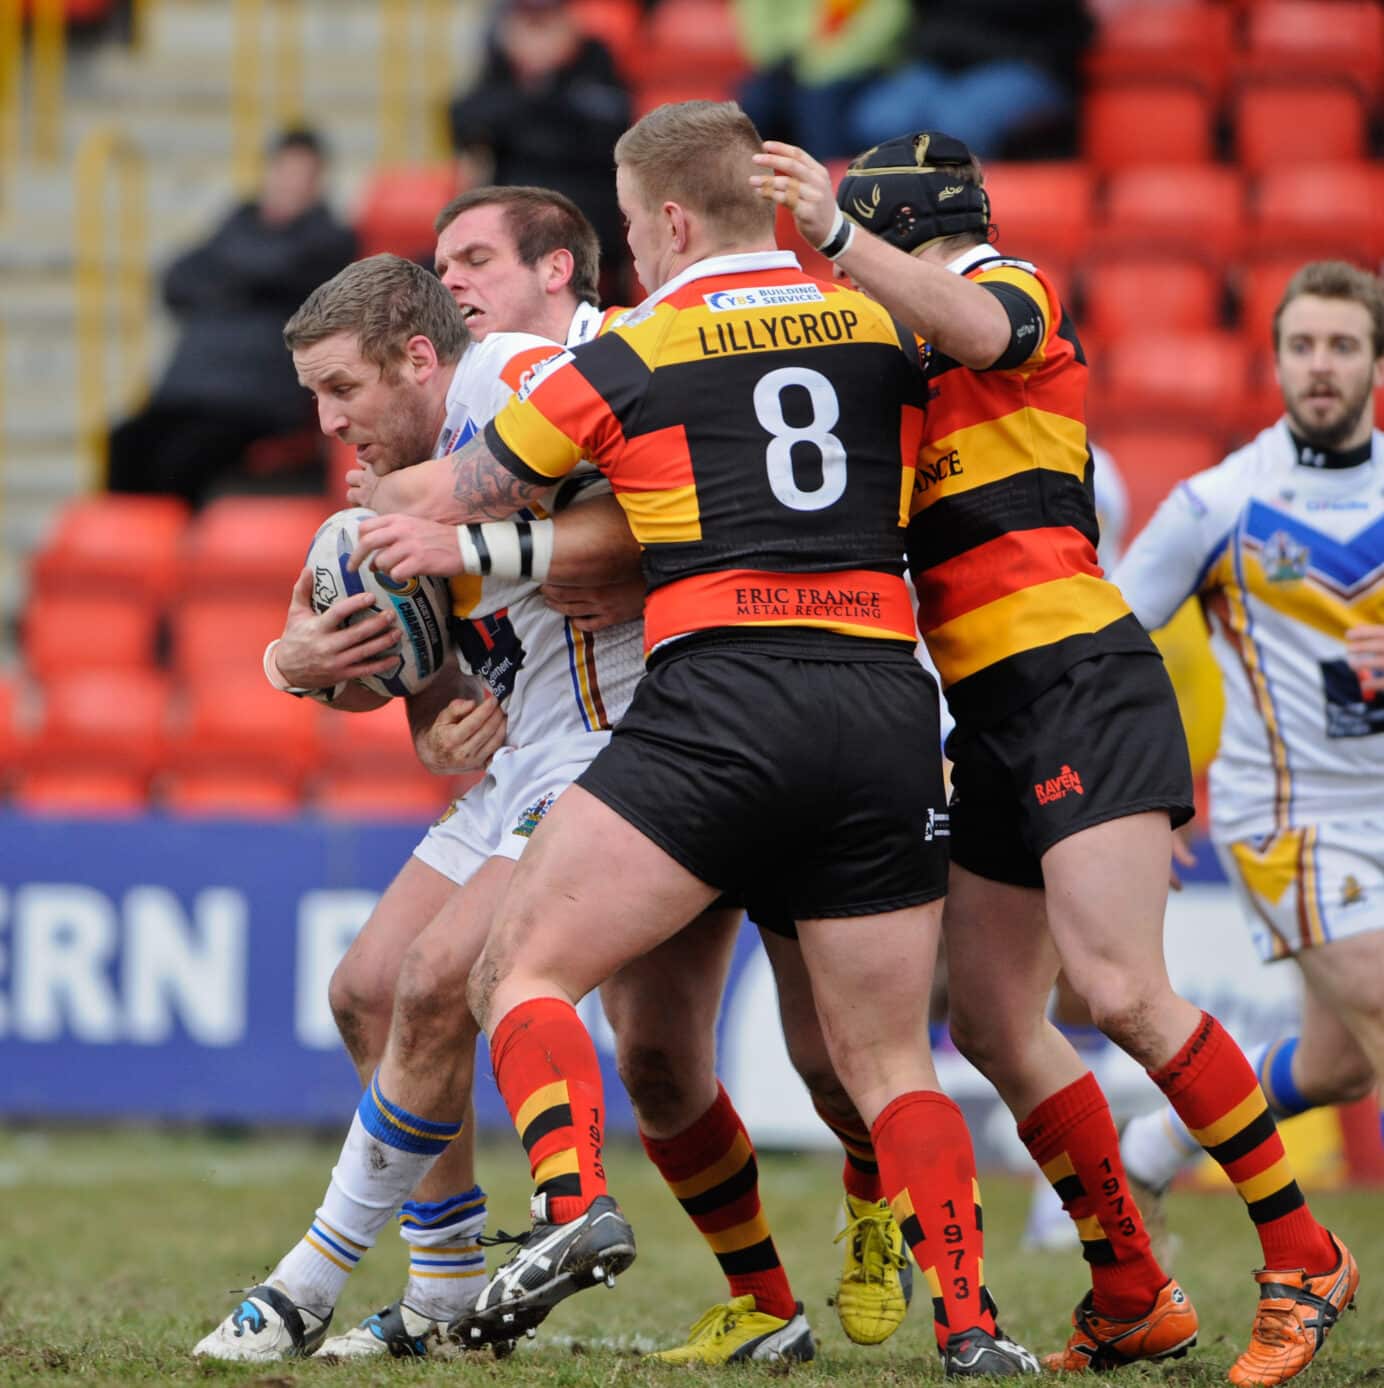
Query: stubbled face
[(392, 423), (645, 231), (1327, 370), (477, 261)]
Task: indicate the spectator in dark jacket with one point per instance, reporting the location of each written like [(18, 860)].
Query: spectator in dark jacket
[(546, 111), (983, 70), (229, 381)]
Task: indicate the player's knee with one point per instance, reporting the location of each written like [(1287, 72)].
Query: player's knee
[(1354, 1079), (427, 1008), (1126, 1015), (361, 1008), (659, 1085)]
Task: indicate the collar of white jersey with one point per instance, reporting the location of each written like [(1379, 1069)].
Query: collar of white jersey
[(585, 324), (741, 263), (974, 255)]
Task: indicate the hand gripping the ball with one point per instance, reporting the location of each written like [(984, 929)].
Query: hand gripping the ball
[(319, 649), (405, 546)]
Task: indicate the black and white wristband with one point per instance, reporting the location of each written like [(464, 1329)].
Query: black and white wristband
[(842, 234), (507, 549)]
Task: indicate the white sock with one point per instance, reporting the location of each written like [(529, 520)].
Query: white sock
[(446, 1264), (386, 1153), (1156, 1146)]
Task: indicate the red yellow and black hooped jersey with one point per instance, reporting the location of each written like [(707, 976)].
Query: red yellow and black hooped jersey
[(1002, 531), (760, 430)]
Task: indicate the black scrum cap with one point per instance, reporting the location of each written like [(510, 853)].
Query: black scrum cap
[(908, 190)]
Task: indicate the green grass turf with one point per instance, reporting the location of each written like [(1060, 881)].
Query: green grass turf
[(119, 1249)]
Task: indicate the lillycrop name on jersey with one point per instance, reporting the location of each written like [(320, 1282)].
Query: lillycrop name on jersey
[(785, 330)]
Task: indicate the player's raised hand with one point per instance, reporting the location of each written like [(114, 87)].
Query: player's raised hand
[(1365, 652), (463, 736), (593, 608), (406, 546), (794, 178), (320, 649)]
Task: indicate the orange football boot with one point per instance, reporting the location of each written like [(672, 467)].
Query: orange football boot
[(1295, 1313), (1166, 1331)]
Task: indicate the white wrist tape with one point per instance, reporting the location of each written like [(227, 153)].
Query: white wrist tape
[(838, 242), (507, 549), (275, 677)]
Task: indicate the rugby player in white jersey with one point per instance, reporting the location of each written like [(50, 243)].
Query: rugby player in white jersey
[(385, 352), (1283, 543)]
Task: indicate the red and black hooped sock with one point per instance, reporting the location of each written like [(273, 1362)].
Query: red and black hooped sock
[(928, 1168), (1072, 1137), (711, 1168), (860, 1175), (548, 1074), (1212, 1088)]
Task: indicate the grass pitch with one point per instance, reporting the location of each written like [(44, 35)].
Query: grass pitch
[(119, 1249)]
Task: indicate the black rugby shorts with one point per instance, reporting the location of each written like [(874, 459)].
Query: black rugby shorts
[(810, 783), (1104, 742)]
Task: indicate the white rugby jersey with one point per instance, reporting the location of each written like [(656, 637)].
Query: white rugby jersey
[(551, 677), (1286, 558)]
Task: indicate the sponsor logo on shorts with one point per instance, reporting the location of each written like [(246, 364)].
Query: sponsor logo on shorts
[(938, 826), (766, 296), (1058, 787), (1352, 893), (528, 821)]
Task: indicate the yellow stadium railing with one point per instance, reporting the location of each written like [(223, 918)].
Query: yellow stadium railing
[(415, 77), (104, 262), (260, 48), (49, 71)]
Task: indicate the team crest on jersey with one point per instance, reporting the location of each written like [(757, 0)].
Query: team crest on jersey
[(528, 821), (1352, 893), (1285, 559), (446, 814), (765, 296)]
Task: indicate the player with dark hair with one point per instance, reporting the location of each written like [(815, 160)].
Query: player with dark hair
[(1070, 767)]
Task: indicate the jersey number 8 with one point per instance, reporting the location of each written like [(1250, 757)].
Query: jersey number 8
[(826, 410)]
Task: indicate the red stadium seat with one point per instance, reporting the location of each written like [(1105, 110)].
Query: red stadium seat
[(77, 791), (1190, 208), (377, 741), (1342, 39), (1136, 123), (1261, 286), (113, 543), (108, 720), (616, 24), (228, 795), (382, 795), (242, 725), (649, 93), (692, 41), (1149, 294), (1297, 124), (64, 633), (1153, 461), (1044, 212), (9, 725), (250, 546), (1191, 379), (397, 209), (1179, 40), (1320, 210), (222, 633)]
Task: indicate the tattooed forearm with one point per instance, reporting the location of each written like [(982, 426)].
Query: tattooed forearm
[(483, 488)]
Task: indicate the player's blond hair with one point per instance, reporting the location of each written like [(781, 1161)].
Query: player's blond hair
[(1337, 279), (698, 154), (384, 300)]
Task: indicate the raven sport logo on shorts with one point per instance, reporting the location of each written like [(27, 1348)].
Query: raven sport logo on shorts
[(528, 821), (1056, 787)]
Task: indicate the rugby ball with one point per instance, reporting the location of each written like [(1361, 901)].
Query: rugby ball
[(420, 605)]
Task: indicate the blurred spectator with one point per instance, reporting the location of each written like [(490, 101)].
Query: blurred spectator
[(546, 111), (230, 382), (986, 71), (812, 60)]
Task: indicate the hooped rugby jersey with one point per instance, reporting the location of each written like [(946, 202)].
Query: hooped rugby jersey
[(1285, 558), (1002, 533), (760, 430), (552, 678)]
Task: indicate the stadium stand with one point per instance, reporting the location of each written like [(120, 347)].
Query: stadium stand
[(1319, 210), (100, 720), (1185, 380), (220, 633), (1044, 212), (1339, 39), (1141, 122), (397, 205), (1297, 122), (68, 792), (65, 631), (1149, 293), (252, 546), (1176, 40), (1194, 209)]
